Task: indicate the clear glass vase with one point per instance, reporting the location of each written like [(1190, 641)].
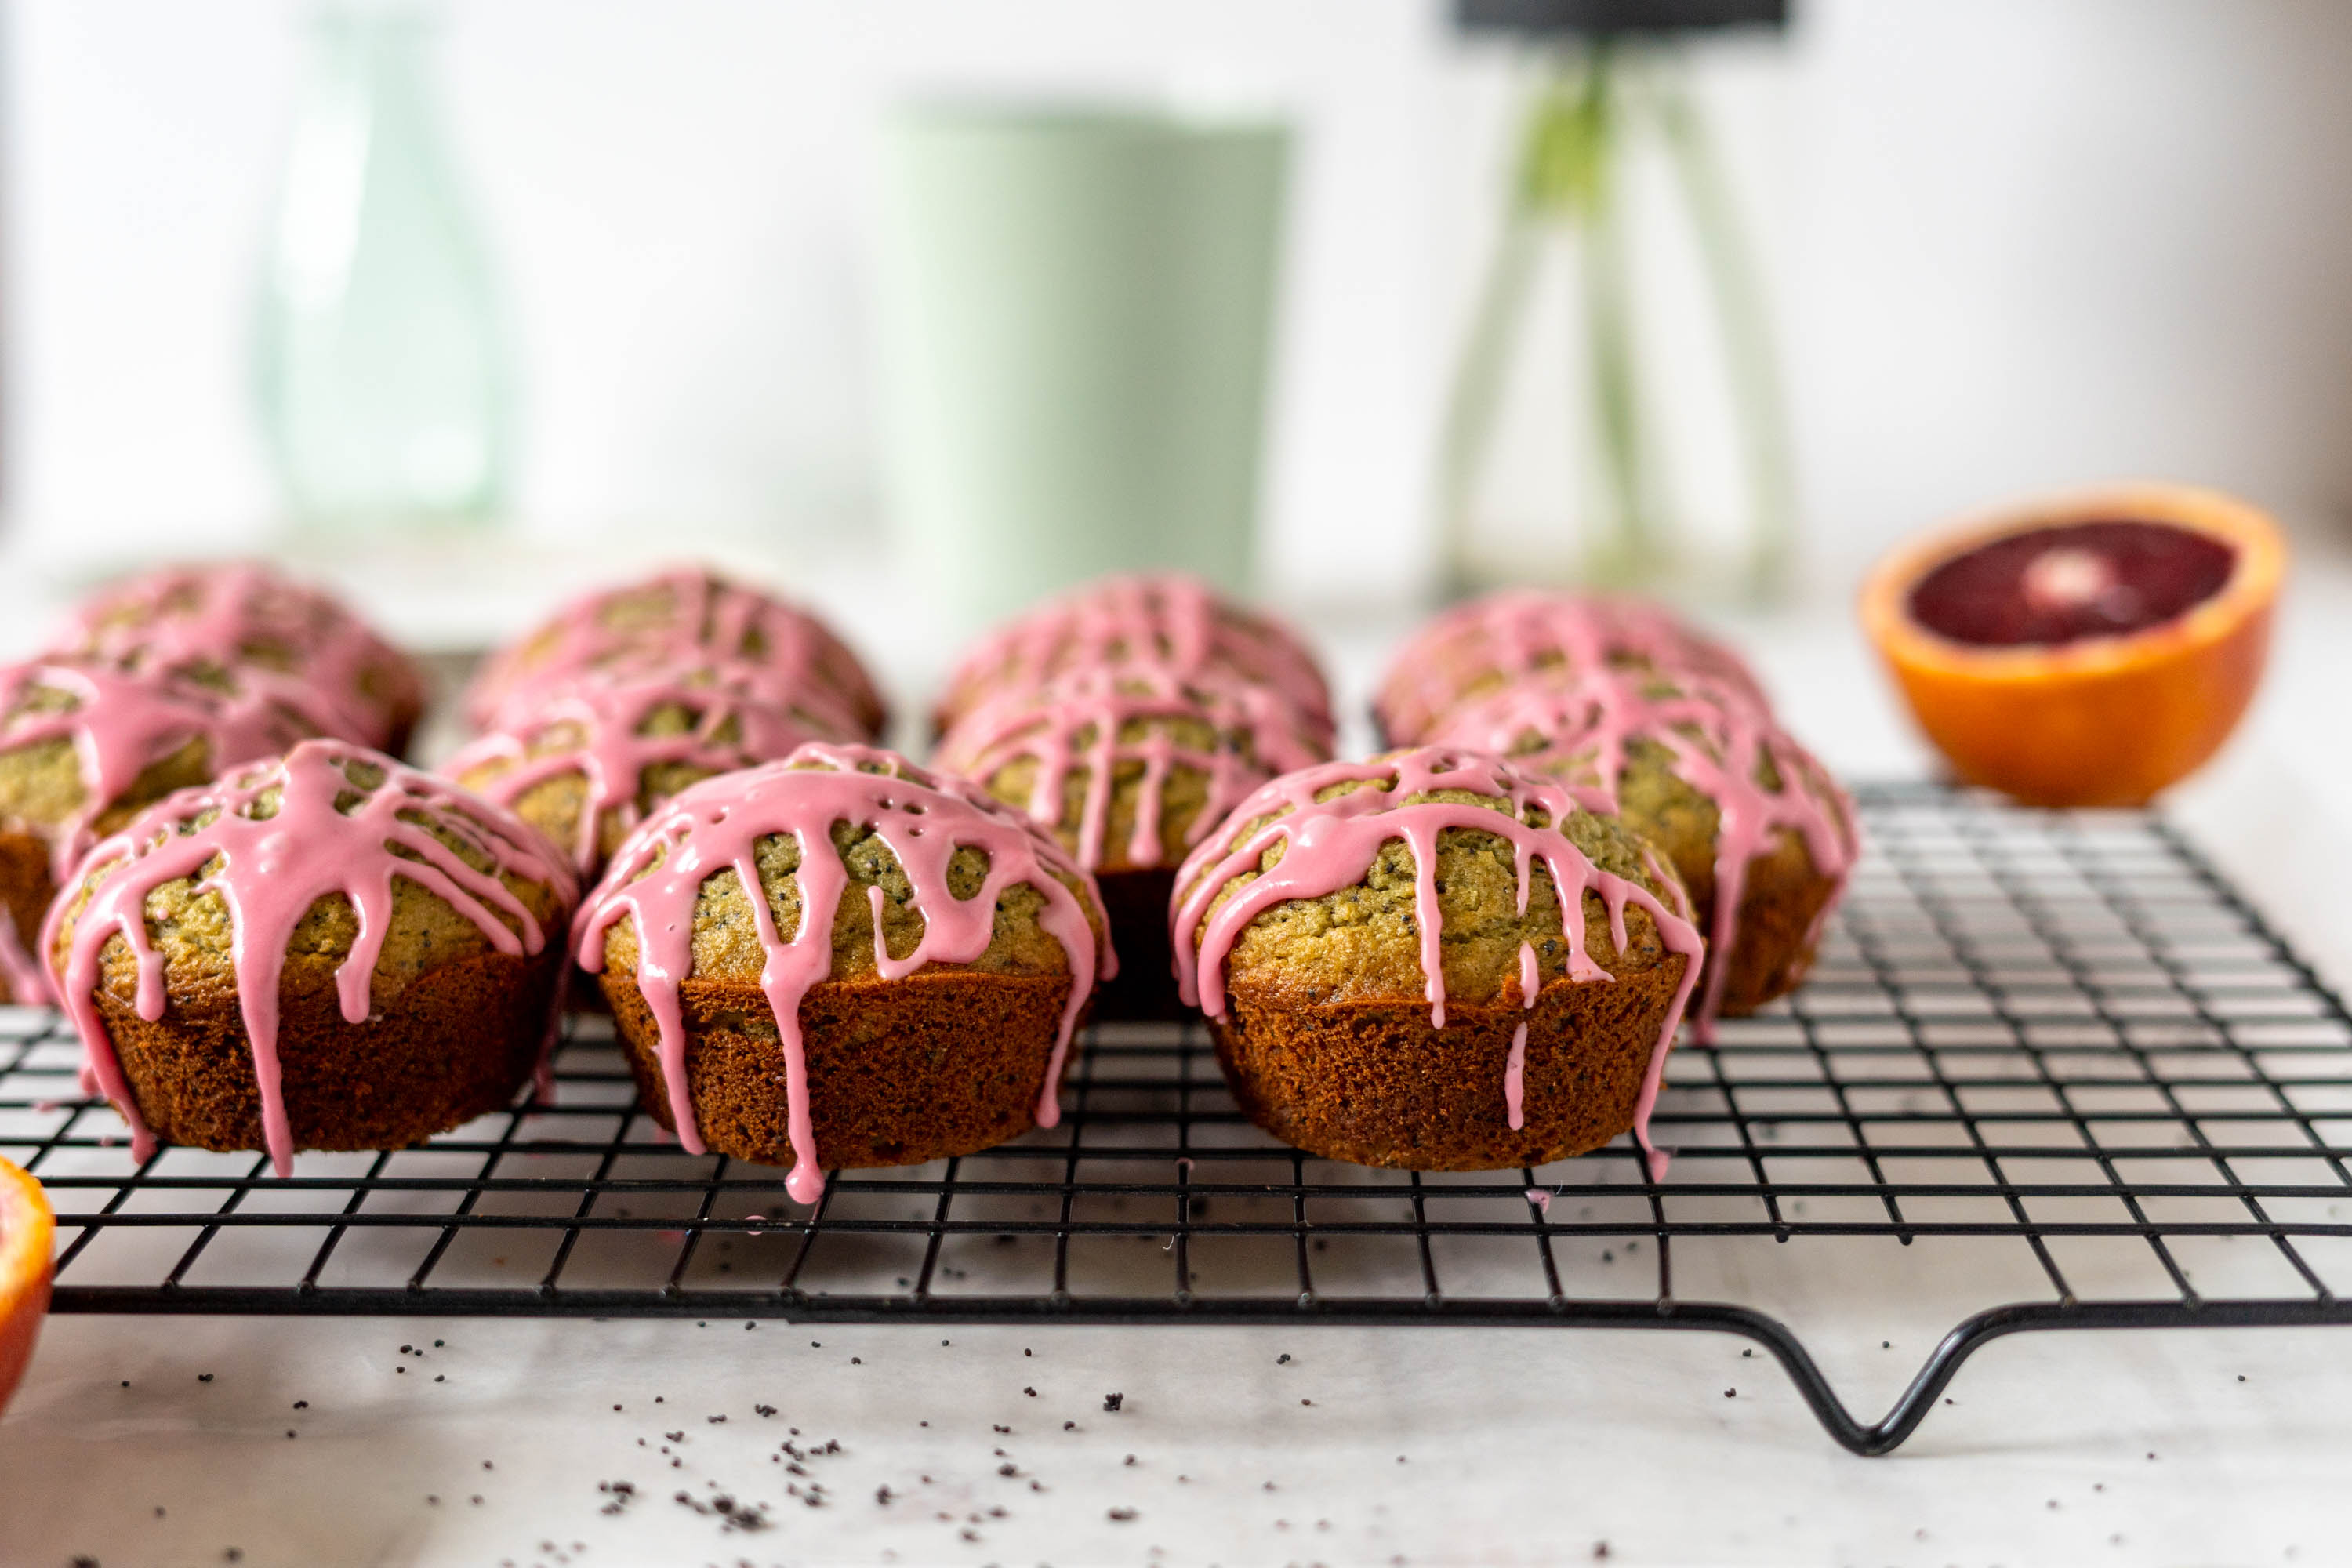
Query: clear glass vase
[(1616, 417), (381, 369)]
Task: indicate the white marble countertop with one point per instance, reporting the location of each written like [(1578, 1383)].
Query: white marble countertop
[(166, 1440)]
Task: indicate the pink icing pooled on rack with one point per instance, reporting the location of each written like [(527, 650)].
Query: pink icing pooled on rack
[(614, 751), (1523, 632), (714, 827), (1165, 620), (1330, 845), (272, 869), (1263, 735), (1717, 738), (761, 644), (228, 614)]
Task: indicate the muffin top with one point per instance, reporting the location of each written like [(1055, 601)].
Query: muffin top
[(683, 620), (243, 612), (1423, 872), (331, 866), (1481, 647), (1165, 620), (869, 868), (1130, 765), (1689, 762), (592, 756), (84, 743)]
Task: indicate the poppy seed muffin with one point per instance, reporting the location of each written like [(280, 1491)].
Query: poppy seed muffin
[(1757, 829), (1163, 621), (593, 758), (902, 985), (677, 621), (244, 614), (324, 951), (1393, 976), (84, 744), (1486, 645), (1129, 765)]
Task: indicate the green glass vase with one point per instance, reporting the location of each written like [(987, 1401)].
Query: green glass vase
[(384, 393)]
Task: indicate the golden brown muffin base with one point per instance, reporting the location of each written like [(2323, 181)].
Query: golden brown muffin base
[(1136, 903), (1373, 1084), (24, 892), (899, 1072), (1772, 951), (457, 1043)]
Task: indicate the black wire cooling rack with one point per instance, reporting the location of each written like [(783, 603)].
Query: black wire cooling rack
[(2052, 1072)]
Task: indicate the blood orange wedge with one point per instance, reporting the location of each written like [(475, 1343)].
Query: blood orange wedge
[(2088, 650), (26, 1228)]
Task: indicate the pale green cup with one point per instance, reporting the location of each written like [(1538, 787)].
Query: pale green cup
[(1076, 314)]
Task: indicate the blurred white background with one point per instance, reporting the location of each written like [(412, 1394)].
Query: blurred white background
[(2012, 244)]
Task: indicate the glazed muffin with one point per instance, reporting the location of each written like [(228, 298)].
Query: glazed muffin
[(1480, 647), (323, 950), (1164, 621), (1434, 961), (1758, 830), (592, 758), (84, 744), (1128, 766), (680, 621), (347, 680), (841, 960)]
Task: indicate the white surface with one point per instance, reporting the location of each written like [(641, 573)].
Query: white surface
[(1522, 1446)]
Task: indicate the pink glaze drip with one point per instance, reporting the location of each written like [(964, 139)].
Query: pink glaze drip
[(28, 983), (1515, 1069), (1331, 845), (1524, 632), (1716, 739), (124, 721), (1163, 620), (272, 869), (217, 613), (716, 827), (760, 644), (614, 754), (1044, 726)]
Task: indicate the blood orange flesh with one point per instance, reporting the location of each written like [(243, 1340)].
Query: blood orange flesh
[(2087, 649), (2049, 586)]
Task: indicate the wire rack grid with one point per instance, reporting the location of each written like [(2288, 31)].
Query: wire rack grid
[(2052, 1072)]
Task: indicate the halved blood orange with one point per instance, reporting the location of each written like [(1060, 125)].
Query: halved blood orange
[(2087, 650), (26, 1227)]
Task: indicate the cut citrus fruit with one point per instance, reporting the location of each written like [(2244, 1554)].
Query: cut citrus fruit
[(2088, 650), (26, 1229)]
